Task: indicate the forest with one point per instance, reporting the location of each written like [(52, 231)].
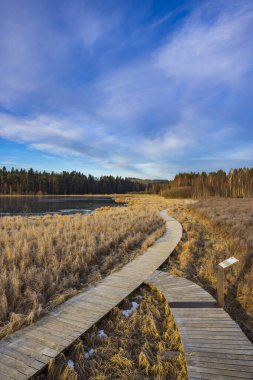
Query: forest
[(22, 181), (237, 183)]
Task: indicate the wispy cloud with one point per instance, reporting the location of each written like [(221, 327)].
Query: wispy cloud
[(204, 51), (35, 51), (72, 87)]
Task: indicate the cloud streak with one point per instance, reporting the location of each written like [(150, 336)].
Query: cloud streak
[(73, 88)]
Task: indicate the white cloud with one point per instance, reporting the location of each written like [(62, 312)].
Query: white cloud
[(166, 145), (41, 128), (69, 139), (204, 51)]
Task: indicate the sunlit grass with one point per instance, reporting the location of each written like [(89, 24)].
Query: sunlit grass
[(45, 260)]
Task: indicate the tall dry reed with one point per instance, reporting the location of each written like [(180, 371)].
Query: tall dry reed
[(44, 260)]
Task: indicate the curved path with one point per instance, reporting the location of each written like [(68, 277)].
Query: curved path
[(214, 345), (27, 352)]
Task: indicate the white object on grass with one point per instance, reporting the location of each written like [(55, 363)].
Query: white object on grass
[(129, 312), (102, 334), (89, 354), (71, 364), (226, 263)]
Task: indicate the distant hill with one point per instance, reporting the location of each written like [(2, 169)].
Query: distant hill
[(147, 181)]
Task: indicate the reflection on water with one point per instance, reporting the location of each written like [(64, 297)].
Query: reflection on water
[(52, 205)]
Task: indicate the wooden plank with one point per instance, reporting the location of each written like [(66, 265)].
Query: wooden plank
[(32, 348), (224, 365), (222, 318), (224, 342), (214, 345), (222, 355), (71, 322), (244, 364), (17, 355), (205, 334), (207, 324), (210, 329), (221, 372), (207, 376), (18, 365), (33, 355), (56, 330), (11, 372)]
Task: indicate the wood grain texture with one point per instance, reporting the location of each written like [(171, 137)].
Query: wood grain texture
[(215, 346)]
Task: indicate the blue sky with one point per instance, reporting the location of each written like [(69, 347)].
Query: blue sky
[(124, 87)]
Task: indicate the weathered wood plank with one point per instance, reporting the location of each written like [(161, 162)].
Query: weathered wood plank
[(10, 371), (214, 345), (221, 372), (33, 363), (19, 365), (223, 365), (244, 364)]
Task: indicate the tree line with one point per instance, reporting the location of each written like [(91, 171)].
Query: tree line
[(23, 181), (237, 183)]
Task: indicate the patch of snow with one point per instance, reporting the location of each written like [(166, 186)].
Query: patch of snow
[(89, 354), (102, 334), (139, 297), (129, 312), (71, 364)]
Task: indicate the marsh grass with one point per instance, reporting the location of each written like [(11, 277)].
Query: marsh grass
[(45, 260), (132, 348), (214, 230)]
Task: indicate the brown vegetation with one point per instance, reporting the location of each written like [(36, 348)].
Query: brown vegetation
[(214, 230), (45, 260), (130, 347)]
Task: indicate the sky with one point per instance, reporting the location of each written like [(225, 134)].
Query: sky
[(143, 89)]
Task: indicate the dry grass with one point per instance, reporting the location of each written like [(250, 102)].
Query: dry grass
[(132, 347), (216, 229), (44, 260)]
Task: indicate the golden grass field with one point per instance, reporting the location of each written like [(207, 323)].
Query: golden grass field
[(45, 260), (48, 259), (130, 347), (214, 230)]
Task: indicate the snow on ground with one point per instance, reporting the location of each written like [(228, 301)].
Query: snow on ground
[(129, 312), (71, 364), (102, 334), (89, 354)]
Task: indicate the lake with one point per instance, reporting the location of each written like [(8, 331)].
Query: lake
[(64, 205)]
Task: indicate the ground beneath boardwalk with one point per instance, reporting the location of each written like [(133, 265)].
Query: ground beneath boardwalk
[(132, 342)]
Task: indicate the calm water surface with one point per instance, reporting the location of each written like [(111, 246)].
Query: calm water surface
[(52, 205)]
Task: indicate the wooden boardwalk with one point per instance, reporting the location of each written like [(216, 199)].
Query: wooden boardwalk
[(27, 352), (214, 345)]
